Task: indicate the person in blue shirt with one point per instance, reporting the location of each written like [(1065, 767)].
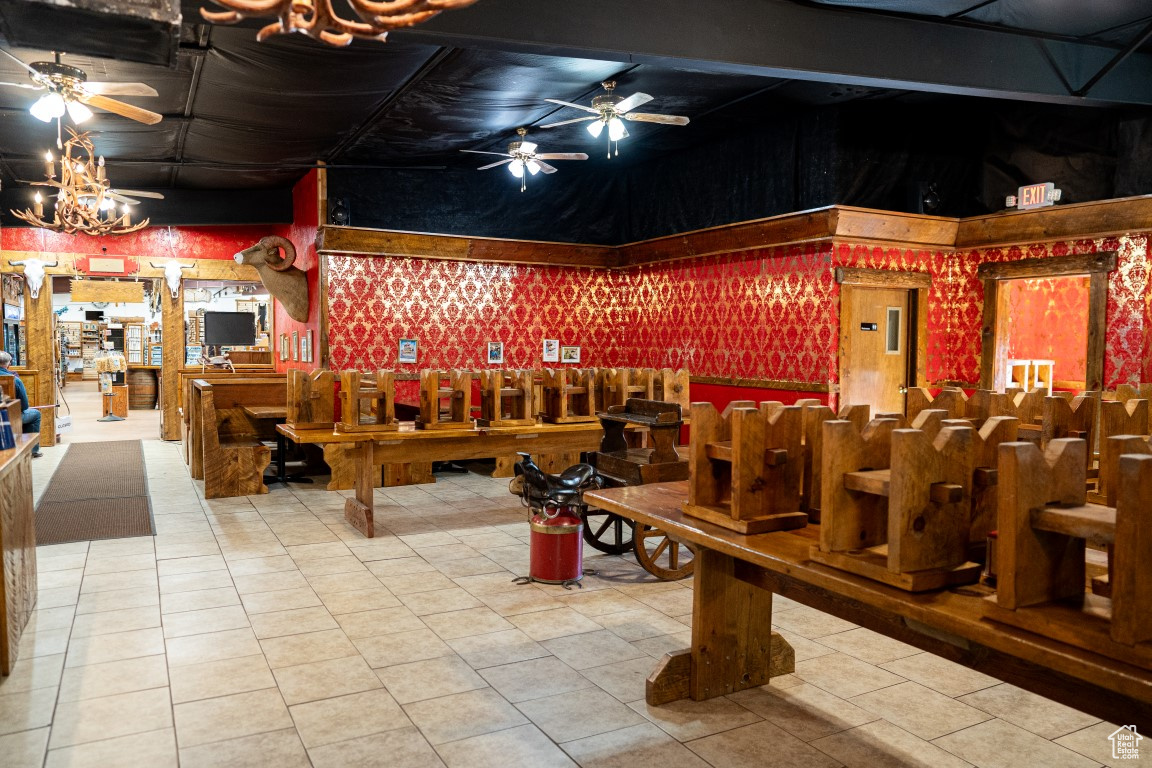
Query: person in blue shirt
[(29, 416)]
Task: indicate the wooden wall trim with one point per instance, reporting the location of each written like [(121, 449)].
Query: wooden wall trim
[(203, 269), (908, 229), (356, 241), (1079, 221), (882, 278), (1054, 266), (729, 381)]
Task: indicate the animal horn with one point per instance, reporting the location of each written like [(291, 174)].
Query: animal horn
[(154, 265), (187, 266), (272, 242), (17, 263), (53, 264)]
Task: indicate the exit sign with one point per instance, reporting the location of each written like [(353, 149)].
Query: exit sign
[(1033, 196)]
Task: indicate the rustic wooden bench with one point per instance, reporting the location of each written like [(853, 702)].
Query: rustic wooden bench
[(219, 423)]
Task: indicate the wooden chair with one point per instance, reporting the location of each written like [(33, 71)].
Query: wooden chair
[(570, 395), (455, 387), (379, 391), (1044, 526), (671, 386), (745, 467), (311, 399), (507, 399), (234, 460), (620, 384), (814, 415)]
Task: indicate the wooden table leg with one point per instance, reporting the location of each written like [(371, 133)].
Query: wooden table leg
[(733, 645), (358, 511)]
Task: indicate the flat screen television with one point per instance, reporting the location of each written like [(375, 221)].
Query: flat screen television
[(229, 329), (93, 315)]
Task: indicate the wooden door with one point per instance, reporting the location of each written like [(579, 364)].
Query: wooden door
[(874, 344)]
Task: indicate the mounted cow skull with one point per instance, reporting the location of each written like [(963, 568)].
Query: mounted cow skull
[(172, 269), (285, 282), (33, 273)]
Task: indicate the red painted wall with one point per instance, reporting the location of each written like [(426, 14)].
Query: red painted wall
[(302, 233), (150, 243), (1047, 319)]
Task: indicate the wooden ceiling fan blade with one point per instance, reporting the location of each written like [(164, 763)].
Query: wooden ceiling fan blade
[(662, 119), (139, 114), (479, 152), (26, 86), (632, 102), (593, 110), (561, 156), (493, 165), (122, 199), (544, 166), (139, 193), (30, 70), (119, 89), (574, 120)]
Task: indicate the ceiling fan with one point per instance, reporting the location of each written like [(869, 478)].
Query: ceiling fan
[(68, 90), (522, 156), (611, 110)]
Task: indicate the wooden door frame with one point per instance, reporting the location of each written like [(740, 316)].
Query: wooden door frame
[(1096, 266), (917, 284)]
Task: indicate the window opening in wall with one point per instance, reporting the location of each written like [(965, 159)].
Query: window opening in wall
[(892, 332)]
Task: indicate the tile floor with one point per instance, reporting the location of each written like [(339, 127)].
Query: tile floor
[(264, 631)]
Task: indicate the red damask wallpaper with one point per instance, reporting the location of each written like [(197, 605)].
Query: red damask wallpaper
[(302, 233), (1047, 319)]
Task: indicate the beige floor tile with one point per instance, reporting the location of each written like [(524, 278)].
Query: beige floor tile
[(997, 744), (578, 714), (521, 746), (761, 745), (429, 679), (124, 620), (114, 600), (45, 642), (489, 583), (640, 624), (600, 602), (220, 678), (318, 551), (59, 578), (113, 677), (115, 646), (462, 715), (844, 676), (25, 710), (108, 717), (289, 650), (198, 564), (212, 646), (270, 582), (139, 545), (405, 748), (495, 648), (639, 745), (55, 598), (921, 711), (810, 623), (880, 744), (199, 600), (330, 583), (869, 646), (383, 621), (187, 549), (330, 565), (528, 600), (547, 625), (1093, 743), (940, 675), (31, 673), (325, 679), (348, 717), (626, 680), (23, 749), (535, 678), (412, 583), (469, 566), (201, 622), (153, 748), (51, 618), (686, 720), (1034, 713), (401, 648), (46, 563), (280, 600), (592, 649), (401, 566), (671, 602), (805, 711), (360, 600), (230, 717), (472, 621), (99, 565), (294, 622), (254, 565), (107, 582), (281, 749), (188, 582)]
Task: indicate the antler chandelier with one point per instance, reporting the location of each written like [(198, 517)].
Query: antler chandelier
[(318, 20), (83, 199)]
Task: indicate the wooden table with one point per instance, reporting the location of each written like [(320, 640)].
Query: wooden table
[(408, 444), (736, 576), (276, 414), (17, 548)]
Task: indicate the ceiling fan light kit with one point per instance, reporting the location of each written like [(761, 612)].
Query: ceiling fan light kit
[(522, 156), (611, 110)]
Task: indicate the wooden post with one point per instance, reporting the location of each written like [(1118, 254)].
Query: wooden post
[(172, 339), (41, 355)]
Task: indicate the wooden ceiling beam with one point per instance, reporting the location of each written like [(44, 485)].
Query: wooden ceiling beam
[(1077, 221)]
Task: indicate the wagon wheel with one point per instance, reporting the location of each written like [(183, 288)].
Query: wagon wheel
[(661, 556), (607, 532)]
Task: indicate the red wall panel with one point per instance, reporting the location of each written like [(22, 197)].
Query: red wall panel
[(151, 243), (1047, 319), (302, 233)]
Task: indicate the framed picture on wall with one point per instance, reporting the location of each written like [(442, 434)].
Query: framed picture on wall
[(495, 353), (283, 346), (408, 349), (551, 350), (295, 345), (569, 354), (311, 349)]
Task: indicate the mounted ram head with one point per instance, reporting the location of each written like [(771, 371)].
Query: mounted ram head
[(33, 273), (172, 270), (288, 284)]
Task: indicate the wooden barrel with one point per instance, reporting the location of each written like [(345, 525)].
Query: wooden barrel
[(141, 389)]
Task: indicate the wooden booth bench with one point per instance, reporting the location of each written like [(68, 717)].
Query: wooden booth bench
[(189, 414), (227, 452)]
